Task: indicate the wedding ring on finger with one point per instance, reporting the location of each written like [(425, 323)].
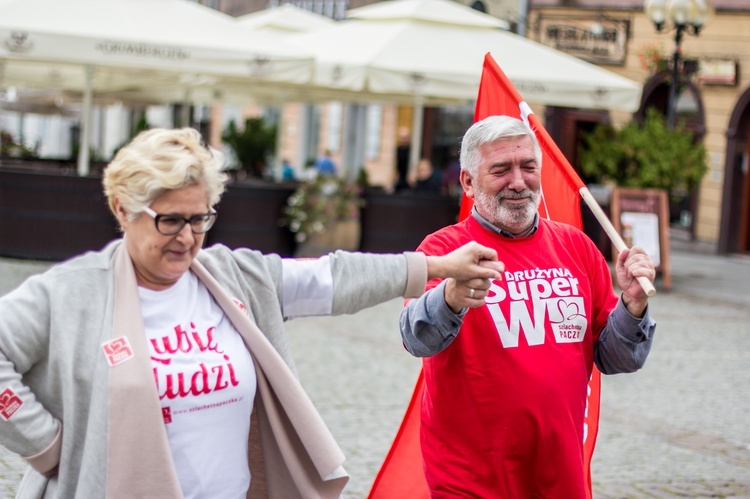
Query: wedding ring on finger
[(471, 292)]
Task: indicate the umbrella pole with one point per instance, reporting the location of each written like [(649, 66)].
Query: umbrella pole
[(185, 114), (278, 165), (83, 151), (417, 119)]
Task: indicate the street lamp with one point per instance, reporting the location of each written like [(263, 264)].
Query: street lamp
[(683, 16)]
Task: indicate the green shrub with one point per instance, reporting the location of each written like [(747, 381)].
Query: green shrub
[(646, 155), (253, 146)]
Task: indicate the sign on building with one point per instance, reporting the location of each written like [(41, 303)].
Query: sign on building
[(597, 40)]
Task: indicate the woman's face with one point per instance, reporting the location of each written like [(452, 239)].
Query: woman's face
[(160, 260)]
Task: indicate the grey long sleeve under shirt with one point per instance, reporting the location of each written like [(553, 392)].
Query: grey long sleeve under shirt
[(428, 326)]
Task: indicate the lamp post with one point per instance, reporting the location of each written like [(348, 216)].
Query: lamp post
[(684, 16)]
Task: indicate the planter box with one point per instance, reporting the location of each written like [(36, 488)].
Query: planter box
[(392, 223), (344, 235), (250, 215), (46, 216)]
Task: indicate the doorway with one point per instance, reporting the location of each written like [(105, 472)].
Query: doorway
[(689, 115), (734, 229), (568, 127)]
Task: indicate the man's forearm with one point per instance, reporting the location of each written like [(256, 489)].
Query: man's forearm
[(428, 325), (625, 342)]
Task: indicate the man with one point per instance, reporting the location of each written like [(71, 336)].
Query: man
[(325, 164), (402, 160), (287, 171), (507, 362)]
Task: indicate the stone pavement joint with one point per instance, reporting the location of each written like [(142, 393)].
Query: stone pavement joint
[(733, 453), (698, 489)]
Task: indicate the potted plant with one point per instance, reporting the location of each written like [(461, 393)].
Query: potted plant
[(323, 213), (253, 145), (648, 159), (644, 155), (653, 58), (13, 149)]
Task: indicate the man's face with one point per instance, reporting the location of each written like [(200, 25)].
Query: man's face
[(506, 188)]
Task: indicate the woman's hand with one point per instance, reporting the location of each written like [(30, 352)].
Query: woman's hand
[(469, 271)]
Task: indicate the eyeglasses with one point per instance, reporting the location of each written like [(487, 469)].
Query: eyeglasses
[(170, 225)]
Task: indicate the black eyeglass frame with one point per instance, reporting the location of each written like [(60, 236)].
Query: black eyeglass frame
[(208, 221)]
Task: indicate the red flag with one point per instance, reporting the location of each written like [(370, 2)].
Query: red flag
[(560, 183), (401, 474)]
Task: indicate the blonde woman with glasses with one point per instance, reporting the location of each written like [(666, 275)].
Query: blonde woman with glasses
[(157, 368)]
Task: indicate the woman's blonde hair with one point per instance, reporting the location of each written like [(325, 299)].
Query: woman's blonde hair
[(159, 160)]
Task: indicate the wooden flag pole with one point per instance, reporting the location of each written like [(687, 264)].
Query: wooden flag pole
[(606, 224)]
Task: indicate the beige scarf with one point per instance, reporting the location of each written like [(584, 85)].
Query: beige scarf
[(299, 455)]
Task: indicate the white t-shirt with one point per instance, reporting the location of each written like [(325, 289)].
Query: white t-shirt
[(206, 383)]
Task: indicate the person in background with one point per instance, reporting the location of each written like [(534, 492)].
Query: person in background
[(402, 160), (287, 171), (325, 165), (427, 178), (451, 177), (506, 381), (156, 368)]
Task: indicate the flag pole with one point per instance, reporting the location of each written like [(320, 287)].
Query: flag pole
[(606, 224)]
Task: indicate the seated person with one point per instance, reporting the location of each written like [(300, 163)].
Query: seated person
[(428, 179)]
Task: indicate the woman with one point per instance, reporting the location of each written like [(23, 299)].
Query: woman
[(154, 368)]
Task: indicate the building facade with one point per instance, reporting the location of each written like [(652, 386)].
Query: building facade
[(713, 97), (713, 100)]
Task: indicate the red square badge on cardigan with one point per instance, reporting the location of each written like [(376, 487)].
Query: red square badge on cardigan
[(241, 306), (10, 402), (117, 351)]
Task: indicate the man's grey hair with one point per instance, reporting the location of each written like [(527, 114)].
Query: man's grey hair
[(493, 129)]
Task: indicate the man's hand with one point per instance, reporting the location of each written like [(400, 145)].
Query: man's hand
[(469, 271), (631, 264)]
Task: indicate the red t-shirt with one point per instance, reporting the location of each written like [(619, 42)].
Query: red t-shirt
[(503, 405)]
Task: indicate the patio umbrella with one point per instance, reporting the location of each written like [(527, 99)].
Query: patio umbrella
[(433, 50), (286, 18), (130, 45)]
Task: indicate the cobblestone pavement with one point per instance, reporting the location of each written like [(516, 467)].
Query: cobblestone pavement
[(677, 428)]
